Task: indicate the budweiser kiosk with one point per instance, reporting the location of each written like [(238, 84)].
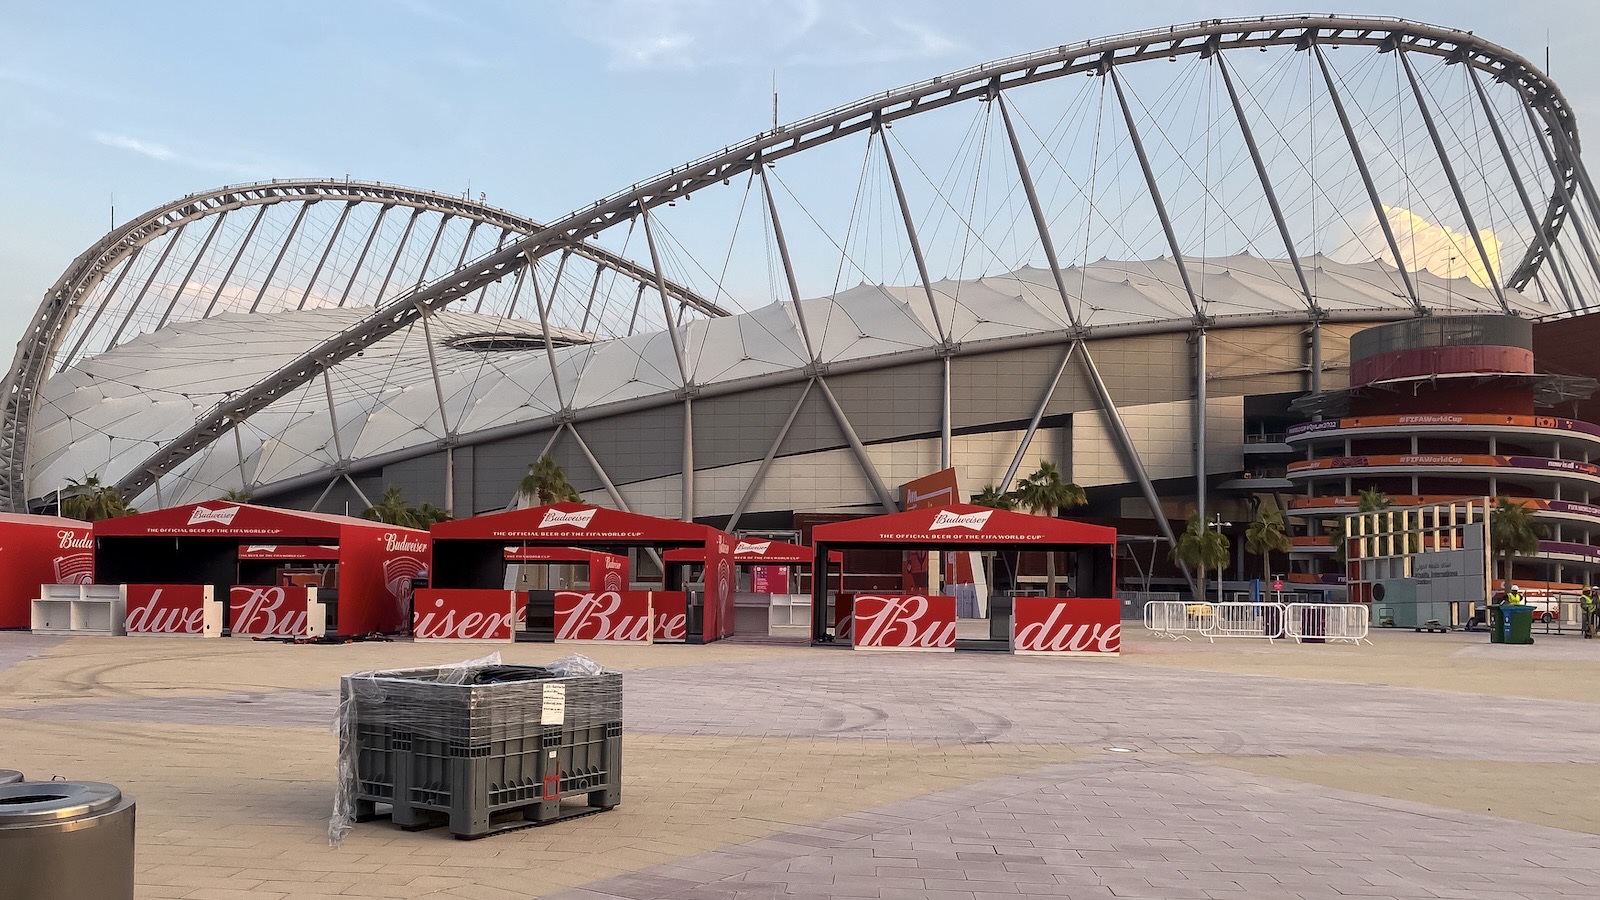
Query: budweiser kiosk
[(538, 572), (255, 570), (773, 583), (37, 551), (1052, 625), (468, 597)]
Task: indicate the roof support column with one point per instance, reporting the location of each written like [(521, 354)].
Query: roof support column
[(1038, 415), (544, 326), (666, 305), (911, 226), (856, 447), (399, 251), (333, 241), (1558, 178), (945, 414), (1266, 182), (1366, 177), (1316, 356), (1110, 71), (1200, 423), (133, 307), (433, 368), (1130, 453), (688, 458), (283, 250), (243, 246), (766, 461), (788, 263), (355, 272), (193, 267), (238, 447), (605, 480), (1040, 223), (1489, 267), (359, 492), (333, 417), (1569, 296)]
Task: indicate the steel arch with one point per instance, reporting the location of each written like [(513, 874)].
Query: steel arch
[(64, 302), (1539, 95)]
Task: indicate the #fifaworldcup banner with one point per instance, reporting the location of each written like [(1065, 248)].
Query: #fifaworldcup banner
[(903, 622), (273, 611), (604, 616), (1056, 625), (173, 609), (464, 615)]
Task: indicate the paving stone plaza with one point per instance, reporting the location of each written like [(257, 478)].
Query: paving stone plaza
[(1427, 766)]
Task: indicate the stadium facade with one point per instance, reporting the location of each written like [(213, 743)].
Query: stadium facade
[(316, 342)]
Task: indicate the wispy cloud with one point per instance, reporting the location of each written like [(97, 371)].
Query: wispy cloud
[(697, 34), (163, 153)]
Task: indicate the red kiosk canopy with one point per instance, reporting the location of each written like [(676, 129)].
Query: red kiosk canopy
[(757, 552), (962, 524), (219, 518), (575, 524)]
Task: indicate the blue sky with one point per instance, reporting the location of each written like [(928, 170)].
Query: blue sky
[(542, 106)]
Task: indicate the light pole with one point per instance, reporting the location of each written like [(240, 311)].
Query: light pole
[(1218, 524)]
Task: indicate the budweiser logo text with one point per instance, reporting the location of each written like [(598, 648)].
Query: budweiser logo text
[(603, 616), (945, 519), (555, 517), (444, 621), (393, 542), (268, 611), (759, 548), (220, 516), (903, 622), (157, 614), (72, 540), (1051, 636)]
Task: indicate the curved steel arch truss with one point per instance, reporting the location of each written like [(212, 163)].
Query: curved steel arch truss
[(1544, 103), (42, 349)]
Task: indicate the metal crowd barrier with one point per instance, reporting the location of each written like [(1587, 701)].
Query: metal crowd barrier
[(1176, 619), (1246, 620), (1327, 622)]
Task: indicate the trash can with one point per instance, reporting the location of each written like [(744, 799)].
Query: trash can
[(1497, 623), (1518, 624), (7, 776), (65, 840)]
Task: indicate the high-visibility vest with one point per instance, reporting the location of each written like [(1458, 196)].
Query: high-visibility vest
[(1514, 598)]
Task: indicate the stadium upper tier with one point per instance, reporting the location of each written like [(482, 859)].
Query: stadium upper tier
[(105, 413)]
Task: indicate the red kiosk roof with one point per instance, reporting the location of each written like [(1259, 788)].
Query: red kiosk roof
[(219, 518), (749, 551), (962, 523), (573, 523)]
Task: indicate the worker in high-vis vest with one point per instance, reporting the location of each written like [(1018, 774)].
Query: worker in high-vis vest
[(1591, 612), (1514, 596)]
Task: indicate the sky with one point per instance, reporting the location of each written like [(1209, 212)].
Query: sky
[(541, 106)]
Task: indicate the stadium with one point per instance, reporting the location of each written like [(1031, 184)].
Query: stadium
[(1198, 267)]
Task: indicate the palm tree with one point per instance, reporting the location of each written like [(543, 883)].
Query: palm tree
[(239, 495), (392, 509), (1200, 547), (90, 501), (1265, 535), (1044, 494), (427, 514), (1513, 532), (994, 498), (547, 483)]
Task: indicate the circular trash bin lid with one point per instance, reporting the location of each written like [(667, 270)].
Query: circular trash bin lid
[(9, 775), (27, 803)]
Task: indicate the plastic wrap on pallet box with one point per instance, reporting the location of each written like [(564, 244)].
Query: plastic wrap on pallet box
[(474, 738)]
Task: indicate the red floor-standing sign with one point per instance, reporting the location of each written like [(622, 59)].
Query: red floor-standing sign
[(671, 611), (604, 616), (1066, 625), (464, 615), (178, 610), (276, 611), (903, 622)]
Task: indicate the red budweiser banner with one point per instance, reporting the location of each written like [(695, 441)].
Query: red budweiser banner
[(273, 611), (603, 616), (464, 614), (173, 609), (671, 611), (904, 622), (1066, 625)]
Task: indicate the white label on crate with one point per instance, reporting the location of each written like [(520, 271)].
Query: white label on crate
[(554, 711)]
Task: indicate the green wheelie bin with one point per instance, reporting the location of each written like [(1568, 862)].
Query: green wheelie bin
[(1518, 627), (1497, 623)]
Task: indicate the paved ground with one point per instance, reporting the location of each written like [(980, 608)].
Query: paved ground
[(1427, 766)]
